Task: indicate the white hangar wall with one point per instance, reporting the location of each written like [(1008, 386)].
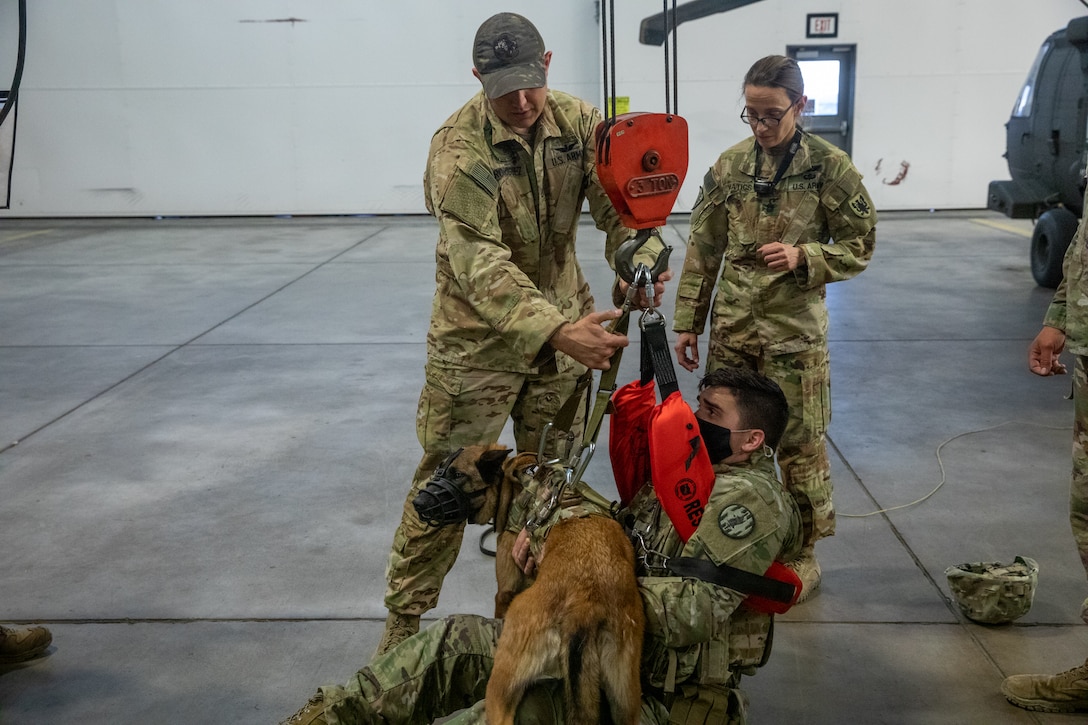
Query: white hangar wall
[(257, 107), (936, 81)]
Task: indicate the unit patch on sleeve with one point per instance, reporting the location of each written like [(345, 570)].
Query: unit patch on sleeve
[(861, 206), (736, 521)]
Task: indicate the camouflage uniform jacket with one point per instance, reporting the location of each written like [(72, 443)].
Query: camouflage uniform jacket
[(1068, 311), (507, 277), (696, 631), (819, 198)]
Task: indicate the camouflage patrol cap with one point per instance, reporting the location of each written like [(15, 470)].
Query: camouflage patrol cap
[(994, 593), (509, 55)]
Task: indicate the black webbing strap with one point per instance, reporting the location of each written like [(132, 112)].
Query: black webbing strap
[(795, 146), (731, 577), (655, 351), (646, 362)]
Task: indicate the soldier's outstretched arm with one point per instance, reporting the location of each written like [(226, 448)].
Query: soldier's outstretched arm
[(587, 341)]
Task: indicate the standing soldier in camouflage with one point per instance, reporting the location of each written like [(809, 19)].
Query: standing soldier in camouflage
[(700, 637), (513, 326), (788, 214), (1065, 326)]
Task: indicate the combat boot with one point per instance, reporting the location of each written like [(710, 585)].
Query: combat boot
[(312, 713), (807, 570), (398, 627), (18, 644), (1064, 692)]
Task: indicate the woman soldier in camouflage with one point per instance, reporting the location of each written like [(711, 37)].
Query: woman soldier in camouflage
[(781, 215)]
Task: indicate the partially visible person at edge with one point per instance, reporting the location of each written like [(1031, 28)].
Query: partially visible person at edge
[(513, 328), (21, 643), (781, 215), (699, 639), (1065, 326)]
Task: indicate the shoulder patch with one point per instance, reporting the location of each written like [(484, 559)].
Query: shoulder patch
[(709, 182), (483, 176), (736, 521), (698, 199), (468, 198), (861, 206)]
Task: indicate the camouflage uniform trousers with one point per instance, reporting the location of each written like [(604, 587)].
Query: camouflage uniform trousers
[(444, 670), (460, 407), (1078, 485), (805, 379)]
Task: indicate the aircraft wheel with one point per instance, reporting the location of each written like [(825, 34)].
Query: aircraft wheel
[(1053, 232)]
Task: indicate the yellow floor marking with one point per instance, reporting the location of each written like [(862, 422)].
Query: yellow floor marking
[(1004, 226), (24, 235)]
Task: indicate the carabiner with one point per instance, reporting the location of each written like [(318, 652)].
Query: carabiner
[(651, 559), (543, 445), (579, 462), (641, 281)]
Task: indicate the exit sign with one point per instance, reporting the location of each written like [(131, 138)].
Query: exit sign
[(823, 25)]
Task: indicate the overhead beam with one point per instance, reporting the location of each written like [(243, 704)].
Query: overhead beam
[(652, 29)]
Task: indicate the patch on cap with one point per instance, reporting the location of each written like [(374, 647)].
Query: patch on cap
[(508, 53), (506, 47)]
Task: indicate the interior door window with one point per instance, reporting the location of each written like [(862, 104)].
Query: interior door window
[(821, 86)]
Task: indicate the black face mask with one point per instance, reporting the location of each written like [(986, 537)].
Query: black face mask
[(716, 440)]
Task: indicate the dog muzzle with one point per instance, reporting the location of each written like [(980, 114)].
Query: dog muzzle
[(442, 501)]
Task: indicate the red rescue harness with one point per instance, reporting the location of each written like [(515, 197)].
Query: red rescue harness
[(661, 442)]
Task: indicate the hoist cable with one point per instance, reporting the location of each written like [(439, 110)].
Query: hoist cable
[(608, 70), (17, 79), (676, 63), (665, 46), (608, 65), (612, 49), (608, 43), (671, 49), (604, 56)]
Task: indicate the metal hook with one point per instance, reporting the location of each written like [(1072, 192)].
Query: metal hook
[(625, 258)]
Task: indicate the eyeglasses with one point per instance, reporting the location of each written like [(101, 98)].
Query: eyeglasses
[(768, 121)]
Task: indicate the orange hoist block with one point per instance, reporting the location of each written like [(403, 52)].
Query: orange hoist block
[(642, 159)]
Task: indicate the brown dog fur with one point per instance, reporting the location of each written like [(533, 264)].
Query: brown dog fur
[(581, 620)]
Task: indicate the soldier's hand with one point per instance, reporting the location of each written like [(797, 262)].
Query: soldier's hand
[(780, 257), (522, 554), (1044, 352), (687, 351), (588, 342), (643, 302)]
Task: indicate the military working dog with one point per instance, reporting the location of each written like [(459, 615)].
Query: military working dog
[(580, 621)]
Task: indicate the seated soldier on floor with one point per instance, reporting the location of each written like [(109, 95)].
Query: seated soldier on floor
[(691, 669)]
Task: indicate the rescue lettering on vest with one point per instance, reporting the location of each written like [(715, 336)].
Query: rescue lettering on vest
[(682, 482), (694, 511)]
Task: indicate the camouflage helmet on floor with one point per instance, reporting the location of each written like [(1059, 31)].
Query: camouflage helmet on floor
[(994, 593)]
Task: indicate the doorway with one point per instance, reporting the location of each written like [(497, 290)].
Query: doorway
[(828, 71)]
